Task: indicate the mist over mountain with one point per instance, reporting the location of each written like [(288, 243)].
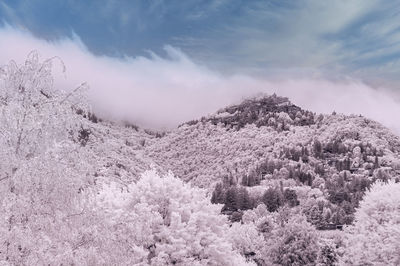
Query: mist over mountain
[(262, 182), (163, 90), (218, 133)]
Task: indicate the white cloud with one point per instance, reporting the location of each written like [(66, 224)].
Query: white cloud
[(163, 92), (153, 91)]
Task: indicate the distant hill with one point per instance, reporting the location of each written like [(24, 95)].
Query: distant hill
[(268, 142), (238, 138)]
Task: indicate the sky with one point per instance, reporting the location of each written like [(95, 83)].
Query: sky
[(160, 63)]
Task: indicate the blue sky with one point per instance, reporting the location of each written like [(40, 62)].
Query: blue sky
[(359, 38), (191, 57)]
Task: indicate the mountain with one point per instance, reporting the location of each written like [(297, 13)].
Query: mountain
[(268, 142), (261, 143), (237, 139), (260, 182)]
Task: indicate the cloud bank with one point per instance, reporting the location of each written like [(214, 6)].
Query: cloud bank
[(162, 92)]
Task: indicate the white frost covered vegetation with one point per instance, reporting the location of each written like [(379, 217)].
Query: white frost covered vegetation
[(169, 222), (374, 239), (260, 183)]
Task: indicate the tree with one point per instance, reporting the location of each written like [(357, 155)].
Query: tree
[(44, 174), (290, 197), (326, 215), (376, 163), (315, 217), (273, 199), (317, 147), (295, 243), (247, 240), (35, 115), (281, 238), (246, 202), (374, 239), (178, 224), (252, 179), (218, 195), (232, 199), (328, 255)]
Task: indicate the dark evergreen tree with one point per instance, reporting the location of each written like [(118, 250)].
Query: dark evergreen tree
[(347, 164), (290, 197), (305, 178), (317, 148), (338, 196), (229, 180), (273, 199), (376, 162), (218, 195), (231, 199), (246, 201), (245, 181)]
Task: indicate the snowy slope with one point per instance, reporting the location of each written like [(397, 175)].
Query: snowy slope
[(238, 138)]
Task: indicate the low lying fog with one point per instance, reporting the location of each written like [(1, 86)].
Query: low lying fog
[(163, 92)]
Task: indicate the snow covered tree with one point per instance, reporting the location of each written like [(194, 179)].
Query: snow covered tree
[(34, 115), (175, 224), (45, 178), (247, 240), (295, 243), (374, 239)]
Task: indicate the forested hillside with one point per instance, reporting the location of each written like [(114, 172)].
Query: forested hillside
[(269, 143), (263, 182)]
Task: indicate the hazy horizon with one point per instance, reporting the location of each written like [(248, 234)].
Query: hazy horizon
[(160, 70)]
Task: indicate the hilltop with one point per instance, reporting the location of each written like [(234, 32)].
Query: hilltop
[(269, 143), (238, 138)]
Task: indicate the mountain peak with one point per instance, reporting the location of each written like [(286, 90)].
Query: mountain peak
[(266, 110)]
